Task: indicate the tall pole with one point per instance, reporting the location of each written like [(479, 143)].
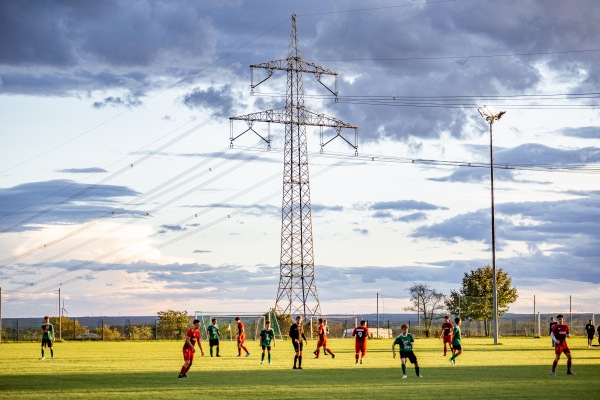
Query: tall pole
[(490, 117), (59, 318), (377, 314), (494, 283)]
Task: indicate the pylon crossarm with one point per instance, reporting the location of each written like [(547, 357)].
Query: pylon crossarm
[(277, 115), (289, 64), (318, 119)]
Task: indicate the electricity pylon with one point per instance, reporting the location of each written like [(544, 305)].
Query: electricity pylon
[(297, 293)]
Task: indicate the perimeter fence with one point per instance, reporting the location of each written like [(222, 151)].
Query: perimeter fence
[(148, 328)]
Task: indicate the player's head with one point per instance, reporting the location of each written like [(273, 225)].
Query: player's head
[(560, 318), (551, 319), (325, 321), (320, 320), (363, 323), (457, 320), (196, 323), (590, 321), (237, 318), (447, 318), (214, 320), (46, 318), (299, 319), (404, 328), (267, 323)]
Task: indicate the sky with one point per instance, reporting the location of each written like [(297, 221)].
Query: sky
[(120, 187)]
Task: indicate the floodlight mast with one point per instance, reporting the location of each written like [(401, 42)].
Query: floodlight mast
[(297, 293), (491, 117)]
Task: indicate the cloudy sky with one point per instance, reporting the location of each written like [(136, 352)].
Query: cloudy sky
[(118, 185)]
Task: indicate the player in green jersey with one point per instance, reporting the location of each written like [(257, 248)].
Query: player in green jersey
[(406, 341), (267, 336), (456, 347), (213, 336), (47, 337)]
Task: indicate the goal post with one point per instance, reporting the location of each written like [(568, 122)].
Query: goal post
[(253, 324), (339, 325), (575, 319)]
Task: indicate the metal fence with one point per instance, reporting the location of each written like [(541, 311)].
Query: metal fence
[(112, 328)]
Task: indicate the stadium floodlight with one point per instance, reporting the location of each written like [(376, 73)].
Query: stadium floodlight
[(491, 116)]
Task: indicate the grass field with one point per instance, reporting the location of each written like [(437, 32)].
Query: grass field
[(515, 368)]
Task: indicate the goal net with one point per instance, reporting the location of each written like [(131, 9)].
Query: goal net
[(253, 324), (338, 325), (576, 321)]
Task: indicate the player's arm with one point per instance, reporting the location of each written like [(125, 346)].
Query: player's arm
[(273, 339), (556, 341), (188, 343), (304, 337), (394, 349), (200, 345)]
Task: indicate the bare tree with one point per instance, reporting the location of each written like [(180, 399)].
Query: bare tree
[(426, 302)]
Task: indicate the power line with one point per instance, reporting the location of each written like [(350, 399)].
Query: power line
[(383, 158), (23, 294), (433, 58)]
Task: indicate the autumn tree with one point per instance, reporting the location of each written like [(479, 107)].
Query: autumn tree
[(70, 328), (141, 333), (173, 324), (108, 333), (426, 301), (474, 300)]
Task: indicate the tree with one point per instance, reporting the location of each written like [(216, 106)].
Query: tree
[(426, 301), (474, 300), (173, 324), (70, 328), (107, 333), (141, 333)]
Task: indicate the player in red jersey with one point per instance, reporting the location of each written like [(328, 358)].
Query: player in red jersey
[(241, 337), (360, 346), (560, 333), (446, 334), (191, 338), (322, 339)]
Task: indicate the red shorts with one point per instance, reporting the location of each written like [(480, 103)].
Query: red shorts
[(322, 343), (361, 347), (447, 339), (241, 338), (561, 348), (188, 354)]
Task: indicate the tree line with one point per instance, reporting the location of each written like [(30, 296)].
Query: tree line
[(473, 301)]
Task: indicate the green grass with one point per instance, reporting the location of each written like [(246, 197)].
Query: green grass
[(515, 368)]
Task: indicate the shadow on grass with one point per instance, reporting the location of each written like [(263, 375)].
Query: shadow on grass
[(333, 383)]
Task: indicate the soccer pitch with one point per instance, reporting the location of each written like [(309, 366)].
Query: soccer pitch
[(515, 368)]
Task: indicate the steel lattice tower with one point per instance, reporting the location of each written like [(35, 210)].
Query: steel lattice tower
[(297, 293)]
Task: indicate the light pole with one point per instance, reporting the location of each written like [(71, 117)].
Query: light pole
[(491, 117)]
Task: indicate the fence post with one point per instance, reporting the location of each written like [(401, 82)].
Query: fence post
[(155, 330)]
